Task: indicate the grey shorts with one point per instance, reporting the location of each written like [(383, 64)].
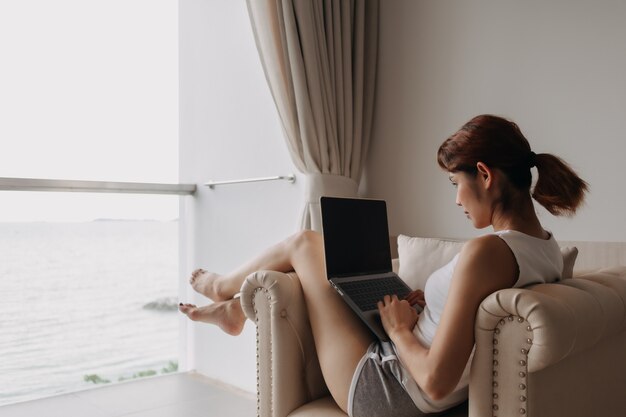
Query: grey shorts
[(375, 390)]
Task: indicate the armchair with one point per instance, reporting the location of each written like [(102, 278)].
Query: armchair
[(549, 350)]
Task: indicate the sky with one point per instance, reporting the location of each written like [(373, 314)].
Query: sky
[(88, 91)]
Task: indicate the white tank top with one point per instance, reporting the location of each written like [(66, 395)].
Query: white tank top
[(538, 261)]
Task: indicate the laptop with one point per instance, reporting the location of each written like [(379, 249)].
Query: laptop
[(358, 256)]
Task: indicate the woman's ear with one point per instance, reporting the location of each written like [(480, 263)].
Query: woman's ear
[(485, 174)]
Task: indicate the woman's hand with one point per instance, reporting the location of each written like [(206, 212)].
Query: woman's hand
[(396, 315), (416, 297)]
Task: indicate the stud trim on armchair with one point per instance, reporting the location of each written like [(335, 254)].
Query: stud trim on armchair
[(259, 387), (519, 358)]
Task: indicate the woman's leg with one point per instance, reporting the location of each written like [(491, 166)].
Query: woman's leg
[(223, 287), (340, 337)]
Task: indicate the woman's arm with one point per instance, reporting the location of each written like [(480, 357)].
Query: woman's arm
[(486, 264)]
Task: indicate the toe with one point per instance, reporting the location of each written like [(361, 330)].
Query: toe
[(185, 308), (195, 274)]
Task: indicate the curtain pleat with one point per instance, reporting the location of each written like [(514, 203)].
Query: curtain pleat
[(319, 58)]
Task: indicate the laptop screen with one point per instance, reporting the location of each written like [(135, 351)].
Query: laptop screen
[(356, 236)]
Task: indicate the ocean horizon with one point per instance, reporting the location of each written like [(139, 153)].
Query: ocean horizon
[(86, 303)]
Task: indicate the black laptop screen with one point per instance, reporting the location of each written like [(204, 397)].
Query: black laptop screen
[(356, 236)]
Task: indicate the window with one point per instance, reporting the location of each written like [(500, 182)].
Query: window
[(89, 92)]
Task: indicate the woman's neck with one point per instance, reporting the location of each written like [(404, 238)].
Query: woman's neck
[(522, 219)]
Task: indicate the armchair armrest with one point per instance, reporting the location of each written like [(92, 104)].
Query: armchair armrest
[(535, 347), (288, 372)]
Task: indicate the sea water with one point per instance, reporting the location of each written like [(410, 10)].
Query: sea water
[(85, 303)]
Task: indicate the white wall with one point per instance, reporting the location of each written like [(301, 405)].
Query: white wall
[(229, 129), (556, 67)]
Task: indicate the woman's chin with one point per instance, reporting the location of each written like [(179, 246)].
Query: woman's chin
[(478, 225)]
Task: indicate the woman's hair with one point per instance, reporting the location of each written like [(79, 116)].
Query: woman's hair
[(499, 143)]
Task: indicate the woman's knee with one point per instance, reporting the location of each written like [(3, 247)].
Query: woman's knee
[(306, 241)]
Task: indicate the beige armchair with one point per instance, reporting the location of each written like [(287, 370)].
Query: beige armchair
[(551, 350)]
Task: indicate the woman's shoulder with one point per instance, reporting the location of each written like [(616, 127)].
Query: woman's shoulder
[(485, 245), (488, 256)]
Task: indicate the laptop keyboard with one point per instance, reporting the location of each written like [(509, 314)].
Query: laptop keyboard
[(368, 292)]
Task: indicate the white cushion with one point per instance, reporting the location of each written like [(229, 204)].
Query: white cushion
[(569, 259), (419, 257)]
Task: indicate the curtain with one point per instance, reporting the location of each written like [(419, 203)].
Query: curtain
[(319, 58)]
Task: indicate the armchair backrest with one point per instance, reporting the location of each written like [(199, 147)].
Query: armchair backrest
[(597, 255)]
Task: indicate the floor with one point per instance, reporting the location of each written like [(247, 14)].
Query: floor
[(176, 395)]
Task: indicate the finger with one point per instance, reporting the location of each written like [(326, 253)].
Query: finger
[(416, 295), (421, 303), (412, 298), (387, 299)]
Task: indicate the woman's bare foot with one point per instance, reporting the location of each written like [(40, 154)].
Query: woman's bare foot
[(228, 315), (206, 283)]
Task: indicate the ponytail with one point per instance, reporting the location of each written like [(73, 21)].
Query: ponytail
[(559, 189)]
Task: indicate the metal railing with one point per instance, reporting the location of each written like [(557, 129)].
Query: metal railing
[(34, 184), (39, 184), (290, 178)]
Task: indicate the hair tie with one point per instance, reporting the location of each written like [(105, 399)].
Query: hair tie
[(532, 159)]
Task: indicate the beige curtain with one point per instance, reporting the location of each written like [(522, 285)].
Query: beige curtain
[(319, 58)]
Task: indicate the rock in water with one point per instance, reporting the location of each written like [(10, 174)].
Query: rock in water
[(162, 304)]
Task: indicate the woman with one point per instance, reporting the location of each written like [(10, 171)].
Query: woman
[(424, 368)]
